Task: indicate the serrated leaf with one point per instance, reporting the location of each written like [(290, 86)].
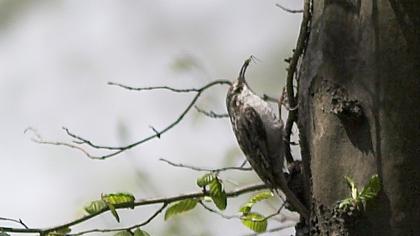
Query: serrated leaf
[(262, 196), (246, 208), (139, 232), (95, 207), (218, 194), (113, 211), (255, 221), (180, 207), (119, 198), (371, 189), (59, 232), (115, 199), (205, 179), (124, 233)]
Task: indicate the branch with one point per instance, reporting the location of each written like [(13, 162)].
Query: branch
[(164, 205), (211, 114), (38, 139), (291, 71), (240, 216), (155, 88), (165, 201), (271, 230), (218, 212), (288, 9), (15, 221), (206, 169), (115, 150)]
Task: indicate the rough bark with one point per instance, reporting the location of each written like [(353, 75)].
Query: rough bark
[(359, 92)]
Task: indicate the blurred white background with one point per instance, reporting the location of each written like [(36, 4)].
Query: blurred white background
[(56, 59)]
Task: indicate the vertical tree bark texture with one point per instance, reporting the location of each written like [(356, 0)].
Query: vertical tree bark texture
[(359, 115)]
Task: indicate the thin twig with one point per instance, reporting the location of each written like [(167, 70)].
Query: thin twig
[(243, 163), (125, 228), (277, 212), (155, 130), (291, 72), (288, 9), (205, 169), (272, 230), (228, 217), (38, 139), (155, 88), (142, 202), (115, 150), (238, 216), (15, 221), (211, 114)]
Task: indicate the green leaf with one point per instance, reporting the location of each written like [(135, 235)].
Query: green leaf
[(346, 202), (349, 182), (355, 194), (119, 198), (59, 232), (371, 189), (218, 194), (95, 207), (180, 207), (205, 179), (115, 199), (352, 186), (255, 221), (123, 233), (246, 208), (113, 211), (139, 232), (4, 234)]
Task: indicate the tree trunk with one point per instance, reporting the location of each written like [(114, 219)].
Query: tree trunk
[(359, 92)]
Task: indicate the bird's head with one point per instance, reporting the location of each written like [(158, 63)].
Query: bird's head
[(240, 83), (239, 86)]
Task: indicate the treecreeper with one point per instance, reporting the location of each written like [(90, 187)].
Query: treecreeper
[(260, 133)]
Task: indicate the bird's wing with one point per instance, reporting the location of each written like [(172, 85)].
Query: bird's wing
[(254, 144)]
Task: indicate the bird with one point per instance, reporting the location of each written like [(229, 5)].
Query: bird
[(259, 133)]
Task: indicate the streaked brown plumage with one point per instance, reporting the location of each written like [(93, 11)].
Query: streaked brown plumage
[(260, 136)]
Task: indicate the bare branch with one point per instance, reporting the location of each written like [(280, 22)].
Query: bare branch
[(15, 221), (218, 212), (38, 139), (206, 169), (244, 163), (291, 72), (288, 9), (155, 130), (165, 201), (211, 114), (155, 88), (115, 150), (277, 212)]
